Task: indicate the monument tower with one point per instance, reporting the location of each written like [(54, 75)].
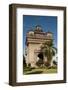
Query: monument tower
[(34, 40)]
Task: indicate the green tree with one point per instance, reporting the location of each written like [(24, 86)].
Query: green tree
[(49, 51), (24, 62)]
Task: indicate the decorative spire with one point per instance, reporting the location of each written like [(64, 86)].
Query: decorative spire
[(38, 28)]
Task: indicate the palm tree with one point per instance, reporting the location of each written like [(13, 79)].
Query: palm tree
[(49, 51)]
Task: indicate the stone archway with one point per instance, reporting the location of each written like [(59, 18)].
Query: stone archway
[(40, 55), (39, 58)]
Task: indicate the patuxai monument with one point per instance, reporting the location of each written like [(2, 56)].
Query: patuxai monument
[(34, 41)]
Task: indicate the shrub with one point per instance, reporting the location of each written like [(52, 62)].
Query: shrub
[(39, 62)]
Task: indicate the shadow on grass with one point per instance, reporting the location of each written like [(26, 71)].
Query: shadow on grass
[(28, 69), (35, 72)]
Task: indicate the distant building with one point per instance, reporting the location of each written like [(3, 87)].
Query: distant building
[(34, 41)]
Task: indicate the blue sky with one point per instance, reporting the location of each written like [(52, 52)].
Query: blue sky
[(48, 23)]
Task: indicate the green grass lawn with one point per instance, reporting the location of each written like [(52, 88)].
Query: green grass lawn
[(27, 71)]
